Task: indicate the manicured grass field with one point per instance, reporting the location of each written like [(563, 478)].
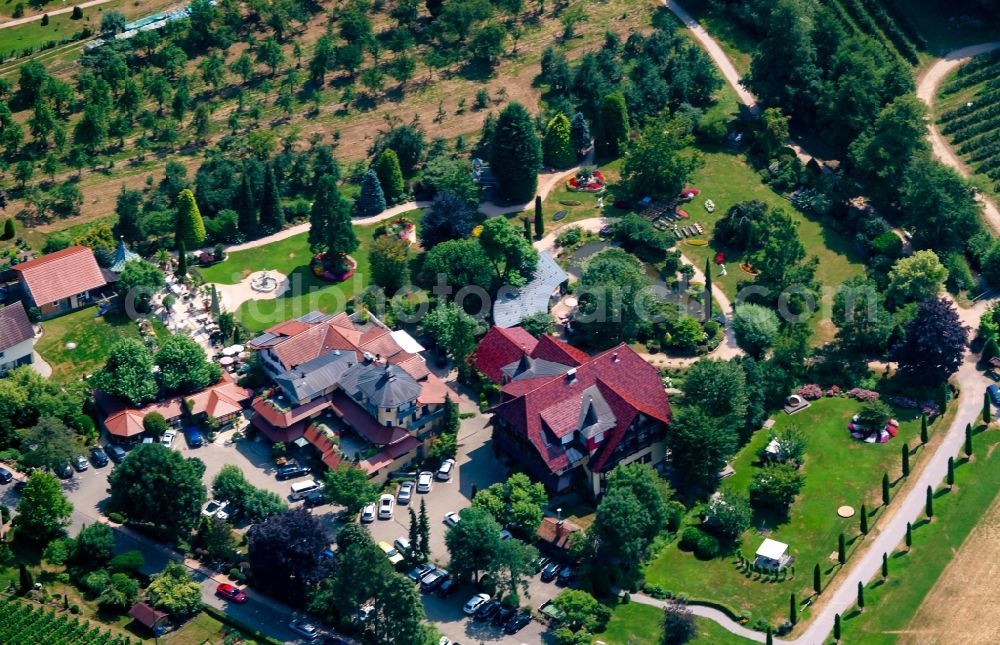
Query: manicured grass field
[(291, 257), (890, 608), (94, 336), (839, 470), (637, 624)]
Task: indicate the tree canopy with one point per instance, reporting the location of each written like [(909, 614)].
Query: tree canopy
[(43, 511), (516, 154), (284, 552), (158, 486)]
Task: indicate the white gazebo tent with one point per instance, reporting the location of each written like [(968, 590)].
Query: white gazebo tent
[(771, 553)]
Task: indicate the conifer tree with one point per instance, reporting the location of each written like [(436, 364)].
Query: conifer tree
[(8, 229), (817, 580), (793, 610), (614, 130), (371, 201), (950, 477), (272, 213), (527, 228), (929, 503), (836, 627), (923, 429), (908, 539), (864, 520), (539, 220), (885, 489), (905, 450), (246, 208), (516, 154), (190, 228), (885, 565), (968, 440), (708, 290), (390, 177), (557, 147), (425, 531), (861, 595), (987, 409), (331, 231), (182, 260), (841, 549), (579, 132)]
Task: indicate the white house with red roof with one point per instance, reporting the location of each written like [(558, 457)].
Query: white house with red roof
[(569, 418), (352, 373), (60, 282), (17, 338)]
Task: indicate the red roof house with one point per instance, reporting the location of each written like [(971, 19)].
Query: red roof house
[(60, 281), (17, 338), (570, 418)]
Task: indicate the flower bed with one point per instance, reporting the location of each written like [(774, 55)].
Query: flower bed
[(320, 272), (810, 392), (863, 395), (587, 182), (401, 228)]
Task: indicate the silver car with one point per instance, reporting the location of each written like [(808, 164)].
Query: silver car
[(424, 481), (405, 493)]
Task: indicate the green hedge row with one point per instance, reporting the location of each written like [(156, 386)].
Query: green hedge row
[(226, 619), (901, 18), (973, 130), (867, 23), (982, 147), (986, 73), (890, 27), (984, 107)]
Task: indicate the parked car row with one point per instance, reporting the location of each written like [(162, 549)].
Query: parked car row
[(483, 609)]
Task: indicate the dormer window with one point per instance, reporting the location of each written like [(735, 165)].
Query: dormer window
[(599, 437)]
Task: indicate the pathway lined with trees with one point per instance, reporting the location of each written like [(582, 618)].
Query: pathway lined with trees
[(927, 91)]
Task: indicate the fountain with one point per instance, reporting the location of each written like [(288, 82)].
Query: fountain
[(264, 283)]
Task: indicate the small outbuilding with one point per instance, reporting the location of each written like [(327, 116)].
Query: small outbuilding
[(153, 619), (772, 553)]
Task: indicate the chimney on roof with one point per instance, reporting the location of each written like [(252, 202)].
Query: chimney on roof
[(378, 357), (571, 375), (616, 358)]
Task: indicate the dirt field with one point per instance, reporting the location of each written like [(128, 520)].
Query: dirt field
[(962, 607)]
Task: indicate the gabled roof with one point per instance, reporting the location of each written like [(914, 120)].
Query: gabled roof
[(59, 275), (599, 398), (217, 401), (146, 615), (502, 346), (15, 328), (311, 379), (383, 385)]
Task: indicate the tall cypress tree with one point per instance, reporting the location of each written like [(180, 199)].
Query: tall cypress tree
[(516, 154), (793, 610), (539, 220), (190, 228), (414, 537), (557, 147), (987, 409), (579, 132), (708, 290), (950, 477), (272, 213), (905, 452), (371, 201), (614, 130), (864, 520), (425, 530), (817, 580), (841, 549), (885, 489), (450, 420), (968, 440), (885, 565), (390, 177), (214, 307), (908, 538), (128, 207), (246, 208), (929, 503), (861, 595), (182, 260), (527, 228), (836, 627)]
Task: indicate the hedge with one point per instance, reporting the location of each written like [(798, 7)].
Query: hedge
[(226, 619)]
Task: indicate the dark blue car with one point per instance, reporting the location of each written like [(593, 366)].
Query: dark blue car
[(193, 437), (994, 393)]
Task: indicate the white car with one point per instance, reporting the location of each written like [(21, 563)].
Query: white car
[(216, 509), (304, 628), (475, 603), (402, 544), (385, 504), (444, 472), (451, 518), (368, 513), (168, 438), (424, 481)]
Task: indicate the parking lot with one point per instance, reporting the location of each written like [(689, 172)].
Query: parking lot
[(476, 468)]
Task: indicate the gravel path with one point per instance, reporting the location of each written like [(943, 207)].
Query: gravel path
[(927, 90)]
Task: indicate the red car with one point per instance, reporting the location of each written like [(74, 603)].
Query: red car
[(229, 592)]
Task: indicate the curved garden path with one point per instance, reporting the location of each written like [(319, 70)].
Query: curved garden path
[(727, 348), (547, 182), (927, 89)]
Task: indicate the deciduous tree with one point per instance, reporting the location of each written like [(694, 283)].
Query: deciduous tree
[(934, 342), (128, 373), (43, 510)]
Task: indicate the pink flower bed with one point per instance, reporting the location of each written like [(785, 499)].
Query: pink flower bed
[(810, 392), (863, 395), (833, 391), (326, 276)]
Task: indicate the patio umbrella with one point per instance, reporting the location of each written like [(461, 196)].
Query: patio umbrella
[(237, 348), (226, 360), (571, 302), (231, 350)]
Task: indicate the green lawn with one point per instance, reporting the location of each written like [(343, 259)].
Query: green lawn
[(890, 607), (291, 257), (637, 624), (838, 469), (94, 337)]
